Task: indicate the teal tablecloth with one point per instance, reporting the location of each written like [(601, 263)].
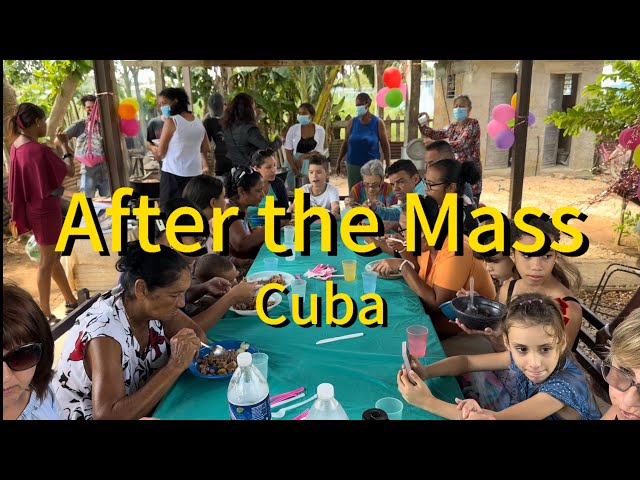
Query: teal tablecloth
[(362, 370)]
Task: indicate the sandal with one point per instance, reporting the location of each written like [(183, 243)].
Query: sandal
[(70, 307), (52, 320)]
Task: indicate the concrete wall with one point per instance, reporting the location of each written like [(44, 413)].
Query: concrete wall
[(474, 78)]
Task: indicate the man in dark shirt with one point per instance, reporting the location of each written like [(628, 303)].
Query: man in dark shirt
[(214, 132), (154, 130)]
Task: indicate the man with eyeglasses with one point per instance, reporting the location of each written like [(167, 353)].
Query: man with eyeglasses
[(621, 370), (403, 178)]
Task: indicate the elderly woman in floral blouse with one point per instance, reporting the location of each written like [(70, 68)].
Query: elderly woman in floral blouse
[(463, 135)]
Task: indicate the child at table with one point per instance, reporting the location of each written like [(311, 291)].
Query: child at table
[(622, 370), (549, 383), (210, 266), (322, 193)]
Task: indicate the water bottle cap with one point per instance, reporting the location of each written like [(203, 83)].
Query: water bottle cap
[(325, 391), (244, 359)]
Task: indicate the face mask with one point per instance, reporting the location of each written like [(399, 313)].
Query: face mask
[(459, 114), (166, 111), (361, 110), (303, 119)]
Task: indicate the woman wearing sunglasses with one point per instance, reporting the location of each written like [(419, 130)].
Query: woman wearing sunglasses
[(245, 188), (622, 370), (27, 357), (126, 351)]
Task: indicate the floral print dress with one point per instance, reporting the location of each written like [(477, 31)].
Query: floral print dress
[(105, 318)]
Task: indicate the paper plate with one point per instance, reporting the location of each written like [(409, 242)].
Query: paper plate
[(229, 345), (369, 267), (254, 313), (256, 277)]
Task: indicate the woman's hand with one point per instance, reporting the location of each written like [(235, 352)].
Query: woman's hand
[(467, 406), (388, 266), (413, 394), (371, 204), (184, 348)]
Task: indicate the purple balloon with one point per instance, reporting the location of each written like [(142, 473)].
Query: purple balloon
[(505, 139), (531, 119)]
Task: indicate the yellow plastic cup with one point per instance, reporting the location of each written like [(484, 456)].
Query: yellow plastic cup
[(349, 270)]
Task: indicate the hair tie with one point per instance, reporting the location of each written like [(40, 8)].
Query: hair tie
[(19, 122)]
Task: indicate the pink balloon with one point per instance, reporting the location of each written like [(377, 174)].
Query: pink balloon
[(630, 138), (403, 89), (503, 113), (504, 139), (130, 128), (494, 127), (380, 97), (531, 118)]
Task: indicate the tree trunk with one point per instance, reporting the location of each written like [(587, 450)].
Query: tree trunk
[(127, 81), (136, 86), (9, 105), (323, 99), (61, 104)]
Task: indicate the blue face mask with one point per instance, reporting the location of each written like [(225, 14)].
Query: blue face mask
[(304, 119), (361, 110), (460, 114), (166, 111)]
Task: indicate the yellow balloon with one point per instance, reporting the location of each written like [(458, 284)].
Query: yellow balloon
[(514, 99), (131, 101), (636, 156)]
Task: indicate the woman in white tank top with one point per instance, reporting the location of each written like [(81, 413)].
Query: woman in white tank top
[(183, 145)]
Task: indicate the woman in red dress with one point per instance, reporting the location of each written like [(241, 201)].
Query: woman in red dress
[(35, 187)]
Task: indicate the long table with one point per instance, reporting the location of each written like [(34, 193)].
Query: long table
[(362, 370)]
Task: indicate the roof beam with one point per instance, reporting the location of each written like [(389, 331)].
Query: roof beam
[(245, 63)]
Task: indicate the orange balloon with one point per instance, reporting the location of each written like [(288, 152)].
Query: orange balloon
[(514, 99), (126, 111)]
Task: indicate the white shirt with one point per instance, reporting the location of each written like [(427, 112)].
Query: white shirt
[(183, 152), (323, 200), (294, 134)]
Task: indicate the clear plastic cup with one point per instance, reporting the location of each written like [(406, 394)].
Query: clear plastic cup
[(261, 362), (349, 270), (417, 336), (270, 264), (291, 257), (288, 234), (392, 407), (298, 287), (369, 280)]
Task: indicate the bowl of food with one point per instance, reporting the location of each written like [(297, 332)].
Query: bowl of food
[(394, 276), (489, 312), (248, 309), (269, 276), (217, 367)]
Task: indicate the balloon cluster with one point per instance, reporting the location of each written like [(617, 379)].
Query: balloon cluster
[(395, 91), (127, 110), (630, 138), (504, 120)]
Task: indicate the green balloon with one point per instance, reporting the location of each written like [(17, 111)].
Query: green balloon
[(393, 97), (511, 122)]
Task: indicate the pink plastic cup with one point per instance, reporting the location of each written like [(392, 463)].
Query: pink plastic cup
[(417, 336)]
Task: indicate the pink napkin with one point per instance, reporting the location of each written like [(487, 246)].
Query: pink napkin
[(321, 272)]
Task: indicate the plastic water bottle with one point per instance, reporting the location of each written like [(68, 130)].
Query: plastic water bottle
[(248, 392), (326, 407)]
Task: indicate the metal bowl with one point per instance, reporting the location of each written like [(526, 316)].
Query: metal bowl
[(489, 312)]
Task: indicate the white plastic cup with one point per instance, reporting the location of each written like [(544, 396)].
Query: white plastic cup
[(289, 231), (291, 257), (261, 362)]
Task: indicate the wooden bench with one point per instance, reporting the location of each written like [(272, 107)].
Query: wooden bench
[(84, 302)]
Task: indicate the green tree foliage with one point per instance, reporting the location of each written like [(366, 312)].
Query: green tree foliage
[(39, 81), (607, 110)]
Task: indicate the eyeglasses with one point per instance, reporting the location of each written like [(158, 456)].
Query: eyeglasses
[(23, 358), (373, 186), (617, 378), (431, 185), (401, 230)]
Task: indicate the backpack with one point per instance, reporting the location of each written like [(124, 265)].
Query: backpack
[(89, 148)]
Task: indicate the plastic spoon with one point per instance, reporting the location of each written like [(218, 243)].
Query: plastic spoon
[(471, 308), (280, 413)]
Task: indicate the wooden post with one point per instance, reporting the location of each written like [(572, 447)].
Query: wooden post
[(186, 80), (520, 131), (412, 107), (159, 76), (113, 141), (378, 84)]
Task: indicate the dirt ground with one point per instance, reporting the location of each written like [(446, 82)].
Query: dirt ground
[(545, 192)]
